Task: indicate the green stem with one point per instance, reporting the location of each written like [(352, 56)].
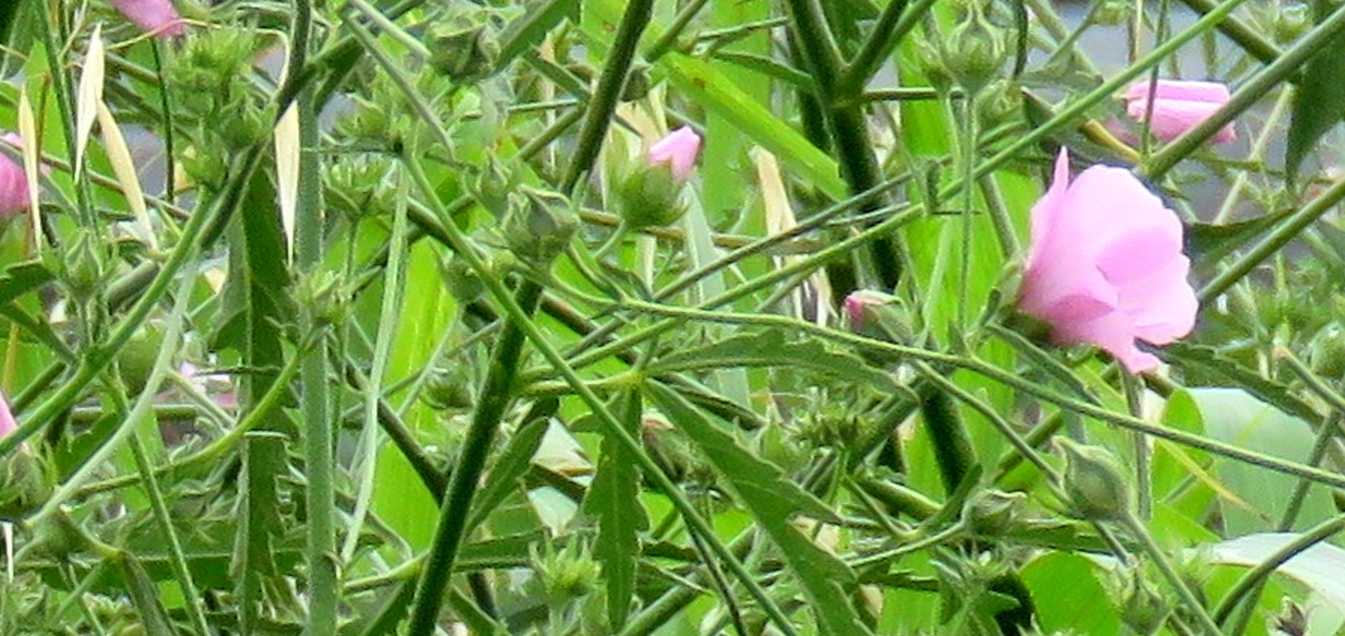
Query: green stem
[(1007, 378), (611, 426), (1169, 572), (65, 105), (1328, 432), (603, 103), (465, 480), (1251, 92), (1238, 31), (1143, 481), (892, 25), (1257, 575), (1272, 242)]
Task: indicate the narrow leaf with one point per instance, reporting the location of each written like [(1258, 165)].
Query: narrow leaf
[(705, 85), (1319, 102), (119, 155), (31, 148), (614, 498), (287, 172), (145, 594), (772, 499), (772, 349), (90, 95)]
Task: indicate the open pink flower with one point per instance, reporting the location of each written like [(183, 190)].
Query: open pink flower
[(1179, 106), (13, 182), (1106, 265), (158, 17), (7, 423), (679, 150)]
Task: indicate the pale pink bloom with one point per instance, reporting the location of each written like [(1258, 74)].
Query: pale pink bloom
[(1106, 265), (860, 303), (7, 424), (13, 182), (679, 150), (1179, 106), (158, 17)]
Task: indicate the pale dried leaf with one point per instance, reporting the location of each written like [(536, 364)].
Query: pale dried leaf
[(90, 95), (779, 218), (124, 167), (287, 171), (31, 148)]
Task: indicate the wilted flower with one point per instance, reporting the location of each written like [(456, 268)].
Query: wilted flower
[(678, 150), (1178, 107), (1106, 265), (13, 182), (158, 17)]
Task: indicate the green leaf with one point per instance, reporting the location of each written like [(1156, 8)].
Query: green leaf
[(1069, 595), (145, 594), (773, 500), (509, 468), (771, 349), (1319, 103), (527, 30), (21, 278), (1229, 373), (614, 498), (1207, 243), (703, 84), (259, 523), (1318, 567), (1236, 417)]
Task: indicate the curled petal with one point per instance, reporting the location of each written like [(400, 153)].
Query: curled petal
[(158, 17), (678, 150)]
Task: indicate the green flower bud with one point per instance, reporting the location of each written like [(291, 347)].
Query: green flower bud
[(1112, 12), (538, 226), (461, 280), (322, 294), (83, 266), (1143, 609), (974, 52), (449, 389), (463, 53), (1001, 102), (1291, 21), (934, 65), (992, 512), (357, 184), (491, 187), (1327, 353), (205, 169), (650, 197), (25, 485), (136, 359), (566, 574), (1095, 483)]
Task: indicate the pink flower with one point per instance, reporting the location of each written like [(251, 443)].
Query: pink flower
[(679, 150), (860, 305), (1178, 107), (13, 182), (7, 424), (158, 17), (1106, 265)]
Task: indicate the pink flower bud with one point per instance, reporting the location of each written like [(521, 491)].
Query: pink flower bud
[(678, 150), (1178, 107), (158, 17), (13, 182), (1106, 265), (7, 424), (861, 304)]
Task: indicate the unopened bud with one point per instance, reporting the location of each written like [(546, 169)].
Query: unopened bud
[(464, 53), (1112, 12), (538, 226), (83, 266), (992, 512), (1095, 483), (566, 574), (878, 315), (975, 51), (449, 389), (25, 485)]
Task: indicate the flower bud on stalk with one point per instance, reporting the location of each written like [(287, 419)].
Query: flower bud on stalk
[(464, 53), (1095, 483), (650, 195), (538, 226), (975, 51)]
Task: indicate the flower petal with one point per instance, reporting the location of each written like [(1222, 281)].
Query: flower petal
[(1188, 90)]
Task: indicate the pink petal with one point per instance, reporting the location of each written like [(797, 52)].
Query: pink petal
[(1162, 304), (1185, 90), (7, 423), (679, 149), (1172, 117), (159, 17), (1046, 211), (13, 182), (1137, 254), (1113, 333)]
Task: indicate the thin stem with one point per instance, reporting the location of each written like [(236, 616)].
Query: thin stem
[(1246, 96), (611, 426), (1169, 572), (1330, 429), (892, 25), (1143, 481), (1257, 575)]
